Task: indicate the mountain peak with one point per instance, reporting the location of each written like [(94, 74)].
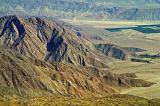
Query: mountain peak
[(46, 39)]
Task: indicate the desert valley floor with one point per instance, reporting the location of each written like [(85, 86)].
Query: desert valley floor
[(125, 34)]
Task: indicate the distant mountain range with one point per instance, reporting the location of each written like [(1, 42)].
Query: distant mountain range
[(84, 9)]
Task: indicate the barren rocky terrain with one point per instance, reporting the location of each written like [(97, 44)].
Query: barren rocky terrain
[(43, 59)]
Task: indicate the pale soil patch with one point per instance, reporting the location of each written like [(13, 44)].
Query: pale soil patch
[(148, 72), (128, 38), (110, 24)]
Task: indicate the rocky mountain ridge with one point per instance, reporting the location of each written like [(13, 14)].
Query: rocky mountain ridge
[(45, 40), (48, 40), (23, 76), (41, 56)]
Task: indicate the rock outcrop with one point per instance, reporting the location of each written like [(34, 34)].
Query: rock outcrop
[(35, 55), (113, 51), (31, 77), (46, 40)]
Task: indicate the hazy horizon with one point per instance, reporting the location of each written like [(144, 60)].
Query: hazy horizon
[(84, 9)]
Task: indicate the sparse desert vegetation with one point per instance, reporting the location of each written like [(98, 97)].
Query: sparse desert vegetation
[(116, 100), (96, 56)]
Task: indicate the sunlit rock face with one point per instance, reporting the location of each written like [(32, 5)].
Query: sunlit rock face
[(40, 56), (113, 51), (46, 40)]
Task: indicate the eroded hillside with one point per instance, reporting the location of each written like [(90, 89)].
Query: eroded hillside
[(42, 56)]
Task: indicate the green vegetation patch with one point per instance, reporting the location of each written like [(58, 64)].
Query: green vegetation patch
[(116, 100)]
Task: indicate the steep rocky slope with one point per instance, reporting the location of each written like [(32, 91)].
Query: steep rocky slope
[(41, 56), (50, 40), (46, 40), (24, 76), (114, 51)]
